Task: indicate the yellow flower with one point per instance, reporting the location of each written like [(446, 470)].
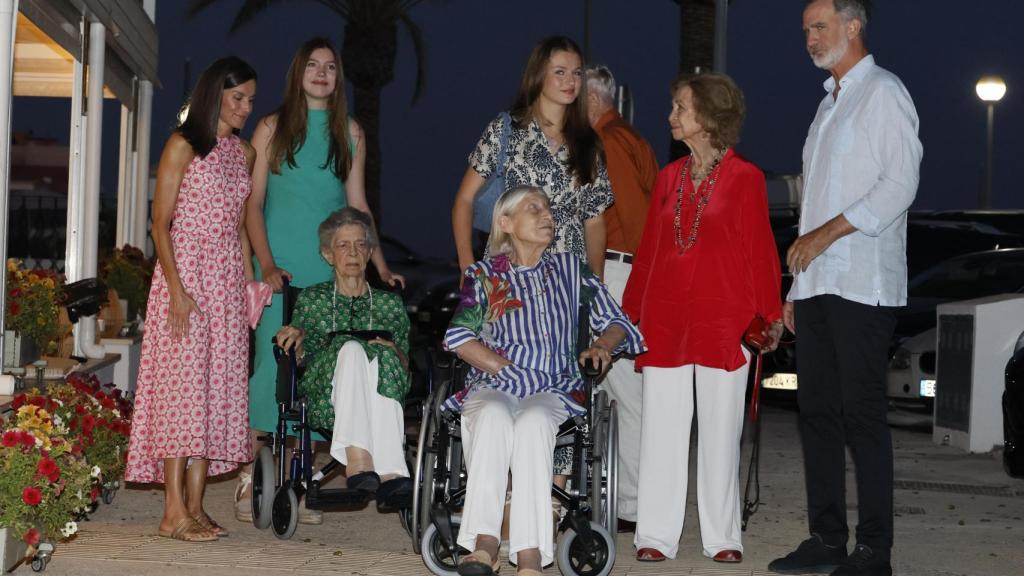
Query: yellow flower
[(12, 265), (27, 409), (49, 283)]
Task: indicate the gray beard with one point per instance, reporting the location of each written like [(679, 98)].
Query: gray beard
[(829, 59)]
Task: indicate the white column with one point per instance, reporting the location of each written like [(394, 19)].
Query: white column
[(8, 23), (126, 180), (143, 127), (88, 238)]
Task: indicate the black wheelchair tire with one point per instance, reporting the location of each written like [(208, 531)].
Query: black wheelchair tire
[(434, 556), (422, 479), (572, 559), (285, 513), (263, 488)]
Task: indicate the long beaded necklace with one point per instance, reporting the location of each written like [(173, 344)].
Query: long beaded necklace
[(352, 307), (698, 198)]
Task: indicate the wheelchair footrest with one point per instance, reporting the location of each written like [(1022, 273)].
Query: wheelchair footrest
[(319, 499)]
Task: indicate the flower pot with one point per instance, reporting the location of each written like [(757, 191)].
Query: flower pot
[(12, 551), (18, 350)]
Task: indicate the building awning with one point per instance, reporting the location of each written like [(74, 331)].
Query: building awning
[(49, 40)]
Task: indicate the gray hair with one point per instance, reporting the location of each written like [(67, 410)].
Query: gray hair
[(347, 216), (849, 10), (499, 241), (601, 82)]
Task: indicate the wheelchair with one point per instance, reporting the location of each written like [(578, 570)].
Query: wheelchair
[(585, 544), (277, 488)]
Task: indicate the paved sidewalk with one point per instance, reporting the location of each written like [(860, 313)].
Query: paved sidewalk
[(956, 514)]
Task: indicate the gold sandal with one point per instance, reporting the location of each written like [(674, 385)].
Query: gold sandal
[(188, 530), (243, 505), (483, 559), (210, 525)]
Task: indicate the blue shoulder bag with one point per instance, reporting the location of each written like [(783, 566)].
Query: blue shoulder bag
[(487, 196)]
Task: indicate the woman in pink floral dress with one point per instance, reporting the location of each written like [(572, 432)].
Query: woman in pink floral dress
[(191, 405)]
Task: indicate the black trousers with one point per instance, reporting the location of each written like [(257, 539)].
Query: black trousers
[(842, 358)]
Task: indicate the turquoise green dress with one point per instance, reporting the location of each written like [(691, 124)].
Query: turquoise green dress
[(297, 201)]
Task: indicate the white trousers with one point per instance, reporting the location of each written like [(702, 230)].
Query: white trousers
[(665, 455), (362, 417), (625, 385), (502, 433)]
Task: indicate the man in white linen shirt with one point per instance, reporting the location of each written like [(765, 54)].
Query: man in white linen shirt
[(861, 164)]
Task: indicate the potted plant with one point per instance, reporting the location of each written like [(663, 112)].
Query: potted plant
[(33, 309), (127, 271), (45, 481)]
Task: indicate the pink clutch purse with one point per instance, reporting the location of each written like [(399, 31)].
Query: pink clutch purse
[(257, 296)]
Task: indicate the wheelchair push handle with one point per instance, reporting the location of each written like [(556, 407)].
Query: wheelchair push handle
[(590, 369)]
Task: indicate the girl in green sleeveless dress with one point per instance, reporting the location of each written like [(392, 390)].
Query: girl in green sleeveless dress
[(309, 163)]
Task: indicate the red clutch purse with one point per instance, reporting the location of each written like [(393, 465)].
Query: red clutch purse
[(755, 335)]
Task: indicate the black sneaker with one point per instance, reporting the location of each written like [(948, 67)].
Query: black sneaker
[(813, 556), (864, 562)]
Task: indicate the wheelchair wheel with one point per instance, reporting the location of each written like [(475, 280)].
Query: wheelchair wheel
[(435, 555), (263, 488), (573, 557), (423, 478), (285, 512), (605, 467)]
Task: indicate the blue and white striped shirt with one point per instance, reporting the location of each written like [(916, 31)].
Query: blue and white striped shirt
[(530, 316)]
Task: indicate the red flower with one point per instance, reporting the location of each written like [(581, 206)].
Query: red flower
[(94, 493), (37, 401), (11, 438), (47, 467), (31, 537), (14, 308), (31, 496), (28, 441), (18, 401)]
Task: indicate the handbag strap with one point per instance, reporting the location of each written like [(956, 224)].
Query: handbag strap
[(506, 130)]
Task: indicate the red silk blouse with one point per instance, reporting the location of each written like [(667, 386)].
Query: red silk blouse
[(693, 307)]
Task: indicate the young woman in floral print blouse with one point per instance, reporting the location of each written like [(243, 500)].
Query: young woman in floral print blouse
[(355, 384), (551, 146)]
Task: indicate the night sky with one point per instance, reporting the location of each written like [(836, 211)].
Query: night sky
[(476, 50)]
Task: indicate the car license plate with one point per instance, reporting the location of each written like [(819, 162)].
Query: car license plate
[(927, 389), (781, 381)]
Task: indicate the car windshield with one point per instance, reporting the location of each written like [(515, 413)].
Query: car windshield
[(972, 276)]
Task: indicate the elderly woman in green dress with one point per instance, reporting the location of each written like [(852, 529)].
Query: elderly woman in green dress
[(354, 343)]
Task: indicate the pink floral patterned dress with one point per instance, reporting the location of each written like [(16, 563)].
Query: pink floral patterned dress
[(192, 394)]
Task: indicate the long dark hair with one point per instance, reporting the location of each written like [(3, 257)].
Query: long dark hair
[(290, 132), (580, 138), (200, 125)]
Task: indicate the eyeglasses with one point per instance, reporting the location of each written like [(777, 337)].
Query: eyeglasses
[(357, 247)]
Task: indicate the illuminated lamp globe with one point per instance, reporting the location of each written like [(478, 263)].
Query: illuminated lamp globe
[(990, 88)]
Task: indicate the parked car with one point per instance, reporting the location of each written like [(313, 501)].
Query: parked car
[(1013, 413), (911, 377)]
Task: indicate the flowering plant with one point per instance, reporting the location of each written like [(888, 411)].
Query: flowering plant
[(45, 482), (97, 419), (33, 299), (129, 272)]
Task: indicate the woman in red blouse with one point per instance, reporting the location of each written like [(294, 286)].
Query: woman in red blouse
[(706, 265)]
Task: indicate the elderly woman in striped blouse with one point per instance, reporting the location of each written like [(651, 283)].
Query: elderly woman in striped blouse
[(516, 326)]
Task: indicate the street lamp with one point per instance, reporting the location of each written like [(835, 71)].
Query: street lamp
[(990, 89)]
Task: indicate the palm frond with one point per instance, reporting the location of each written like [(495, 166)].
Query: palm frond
[(416, 34)]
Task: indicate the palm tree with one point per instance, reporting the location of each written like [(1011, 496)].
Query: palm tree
[(696, 47), (368, 53)]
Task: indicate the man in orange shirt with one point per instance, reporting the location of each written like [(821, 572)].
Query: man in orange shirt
[(632, 169)]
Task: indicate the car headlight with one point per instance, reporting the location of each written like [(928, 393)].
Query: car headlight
[(900, 359)]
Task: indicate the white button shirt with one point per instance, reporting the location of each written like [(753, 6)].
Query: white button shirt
[(861, 159)]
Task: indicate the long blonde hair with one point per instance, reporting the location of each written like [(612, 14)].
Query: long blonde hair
[(499, 241)]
